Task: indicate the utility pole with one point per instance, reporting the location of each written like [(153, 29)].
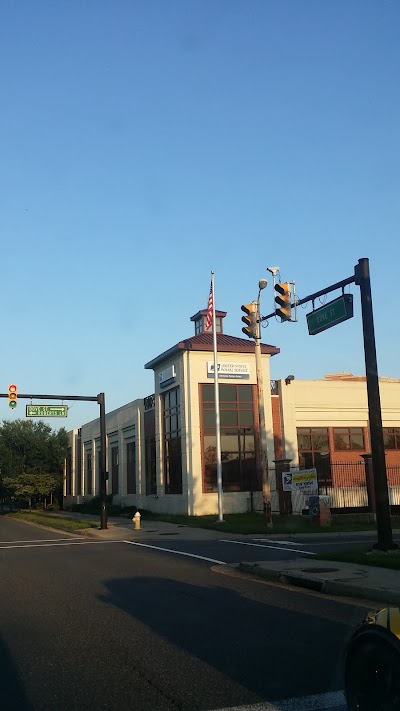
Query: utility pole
[(103, 460), (263, 457), (361, 278), (383, 523)]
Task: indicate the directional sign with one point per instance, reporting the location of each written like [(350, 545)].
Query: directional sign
[(330, 314), (46, 410)]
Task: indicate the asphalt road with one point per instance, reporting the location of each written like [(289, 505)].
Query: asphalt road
[(111, 625), (217, 547)]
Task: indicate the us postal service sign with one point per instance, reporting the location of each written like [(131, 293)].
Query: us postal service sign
[(236, 371)]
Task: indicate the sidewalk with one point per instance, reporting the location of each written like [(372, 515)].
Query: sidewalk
[(318, 536), (332, 578), (119, 528)]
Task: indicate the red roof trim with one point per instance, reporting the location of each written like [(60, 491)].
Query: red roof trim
[(204, 342)]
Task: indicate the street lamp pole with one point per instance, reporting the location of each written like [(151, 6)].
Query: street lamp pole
[(262, 447)]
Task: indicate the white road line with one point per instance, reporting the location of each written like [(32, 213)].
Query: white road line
[(47, 545), (334, 700), (281, 543), (170, 550), (45, 540), (260, 545)]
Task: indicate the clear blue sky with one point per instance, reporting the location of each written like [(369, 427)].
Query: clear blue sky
[(146, 142)]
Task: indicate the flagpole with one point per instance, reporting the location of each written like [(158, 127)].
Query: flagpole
[(217, 415)]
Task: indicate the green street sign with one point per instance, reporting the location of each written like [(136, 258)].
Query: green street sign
[(330, 314), (46, 410)]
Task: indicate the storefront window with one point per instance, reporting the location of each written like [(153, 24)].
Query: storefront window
[(313, 444), (89, 474), (131, 468), (172, 442), (391, 437), (150, 451)]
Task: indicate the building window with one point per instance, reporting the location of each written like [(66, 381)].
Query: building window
[(114, 471), (68, 473), (391, 437), (150, 451), (238, 446), (150, 463), (313, 445), (348, 439), (200, 325), (79, 464), (89, 474), (131, 468), (172, 442)]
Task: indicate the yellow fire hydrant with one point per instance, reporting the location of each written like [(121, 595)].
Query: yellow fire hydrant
[(136, 521)]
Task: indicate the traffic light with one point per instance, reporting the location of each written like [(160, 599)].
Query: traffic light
[(284, 309), (12, 396), (250, 320)]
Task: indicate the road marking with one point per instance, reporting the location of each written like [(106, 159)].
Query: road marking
[(275, 548), (170, 550), (47, 545), (334, 700), (282, 543), (44, 540)]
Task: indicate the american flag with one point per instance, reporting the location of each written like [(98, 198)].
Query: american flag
[(209, 309)]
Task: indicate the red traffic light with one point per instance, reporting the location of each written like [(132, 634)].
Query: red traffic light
[(12, 388)]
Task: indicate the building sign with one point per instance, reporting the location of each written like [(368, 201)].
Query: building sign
[(167, 376), (286, 481), (303, 480), (229, 370)]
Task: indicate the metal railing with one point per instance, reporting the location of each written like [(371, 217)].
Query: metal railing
[(346, 485)]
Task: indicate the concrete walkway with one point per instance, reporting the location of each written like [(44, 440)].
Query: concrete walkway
[(332, 578)]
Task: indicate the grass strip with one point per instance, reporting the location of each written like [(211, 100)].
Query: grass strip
[(379, 559), (64, 524)]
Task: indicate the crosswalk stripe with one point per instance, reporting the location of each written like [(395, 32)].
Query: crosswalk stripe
[(261, 545), (331, 701)]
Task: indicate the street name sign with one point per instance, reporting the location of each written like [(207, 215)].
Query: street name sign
[(331, 314), (46, 410)]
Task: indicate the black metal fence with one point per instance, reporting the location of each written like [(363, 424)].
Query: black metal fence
[(346, 485)]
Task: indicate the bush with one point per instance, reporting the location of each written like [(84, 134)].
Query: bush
[(53, 507)]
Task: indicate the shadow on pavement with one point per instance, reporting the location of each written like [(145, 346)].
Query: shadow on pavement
[(12, 692), (274, 652)]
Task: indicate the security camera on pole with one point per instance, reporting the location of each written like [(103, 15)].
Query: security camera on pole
[(253, 330)]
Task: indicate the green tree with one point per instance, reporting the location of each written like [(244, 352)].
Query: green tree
[(32, 458)]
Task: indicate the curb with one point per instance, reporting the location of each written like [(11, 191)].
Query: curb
[(327, 587), (321, 537)]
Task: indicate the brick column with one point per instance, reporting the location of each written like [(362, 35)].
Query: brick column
[(285, 497)]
